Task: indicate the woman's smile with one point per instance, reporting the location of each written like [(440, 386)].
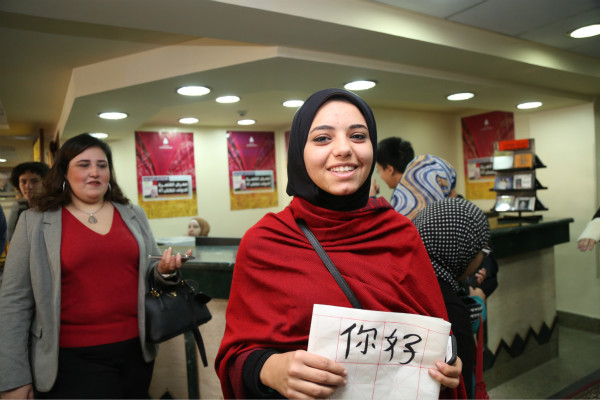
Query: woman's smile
[(343, 169)]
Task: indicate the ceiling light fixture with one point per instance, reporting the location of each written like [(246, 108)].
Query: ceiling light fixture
[(529, 105), (293, 103), (2, 160), (586, 31), (188, 120), (460, 96), (359, 85), (228, 99), (112, 115), (193, 90), (246, 122), (99, 135)]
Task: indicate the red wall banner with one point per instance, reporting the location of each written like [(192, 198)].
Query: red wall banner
[(252, 177), (166, 174), (479, 133)]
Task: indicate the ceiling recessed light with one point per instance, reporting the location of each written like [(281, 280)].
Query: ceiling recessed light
[(461, 96), (2, 160), (359, 85), (188, 120), (99, 135), (228, 99), (193, 90), (246, 122), (586, 31), (112, 115), (529, 105), (293, 103)]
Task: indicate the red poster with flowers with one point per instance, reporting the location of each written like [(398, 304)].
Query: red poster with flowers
[(166, 174)]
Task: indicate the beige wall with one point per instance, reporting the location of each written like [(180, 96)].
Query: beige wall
[(429, 133), (212, 184), (422, 129), (565, 142)]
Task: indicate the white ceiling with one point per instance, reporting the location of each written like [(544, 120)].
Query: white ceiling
[(63, 61)]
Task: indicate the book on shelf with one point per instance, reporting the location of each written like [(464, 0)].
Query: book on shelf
[(504, 203), (523, 160), (520, 144), (524, 203), (503, 160), (523, 181), (503, 182)]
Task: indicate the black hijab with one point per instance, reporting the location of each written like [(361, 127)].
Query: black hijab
[(299, 183)]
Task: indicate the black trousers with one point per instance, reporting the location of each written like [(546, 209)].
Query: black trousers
[(109, 371)]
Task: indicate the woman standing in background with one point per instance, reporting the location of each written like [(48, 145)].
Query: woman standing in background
[(72, 300)]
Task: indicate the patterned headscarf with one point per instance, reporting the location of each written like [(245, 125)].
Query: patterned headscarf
[(454, 231), (426, 179), (299, 182)]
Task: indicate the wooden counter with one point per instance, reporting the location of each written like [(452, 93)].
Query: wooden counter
[(521, 330)]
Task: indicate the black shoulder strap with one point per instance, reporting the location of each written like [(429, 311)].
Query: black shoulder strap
[(329, 264)]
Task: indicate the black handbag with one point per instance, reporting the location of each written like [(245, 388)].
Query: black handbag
[(175, 310)]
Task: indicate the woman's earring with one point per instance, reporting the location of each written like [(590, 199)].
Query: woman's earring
[(64, 185), (109, 188)]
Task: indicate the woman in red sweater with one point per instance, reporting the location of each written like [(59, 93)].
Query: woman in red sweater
[(278, 275), (72, 300)]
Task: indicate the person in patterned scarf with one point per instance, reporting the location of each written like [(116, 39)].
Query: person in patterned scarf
[(455, 233)]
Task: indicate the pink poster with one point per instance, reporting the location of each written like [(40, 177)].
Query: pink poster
[(166, 174), (479, 132), (252, 178)]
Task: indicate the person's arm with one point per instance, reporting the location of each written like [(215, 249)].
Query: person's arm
[(2, 230), (11, 223), (479, 296), (17, 306), (589, 236), (253, 386), (300, 374), (23, 392), (165, 271)]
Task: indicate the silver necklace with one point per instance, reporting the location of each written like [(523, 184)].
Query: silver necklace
[(91, 219)]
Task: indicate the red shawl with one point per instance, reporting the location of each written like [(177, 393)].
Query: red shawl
[(278, 277)]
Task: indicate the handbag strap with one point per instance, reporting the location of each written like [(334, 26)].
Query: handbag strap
[(196, 329), (200, 344), (479, 360), (329, 264)]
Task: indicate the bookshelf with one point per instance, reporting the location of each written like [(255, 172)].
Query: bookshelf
[(516, 185)]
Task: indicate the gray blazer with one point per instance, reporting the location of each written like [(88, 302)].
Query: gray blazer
[(30, 296)]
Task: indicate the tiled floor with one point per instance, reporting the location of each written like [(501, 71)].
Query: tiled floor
[(579, 355)]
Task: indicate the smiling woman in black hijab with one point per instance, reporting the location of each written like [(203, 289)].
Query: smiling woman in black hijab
[(299, 182), (278, 276)]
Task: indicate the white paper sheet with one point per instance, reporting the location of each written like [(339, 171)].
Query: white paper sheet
[(386, 354)]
